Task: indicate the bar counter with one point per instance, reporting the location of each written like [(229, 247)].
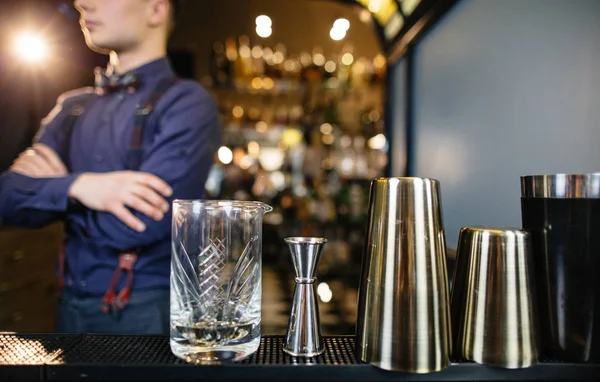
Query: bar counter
[(36, 357)]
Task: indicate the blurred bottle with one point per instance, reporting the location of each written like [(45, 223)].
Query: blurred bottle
[(231, 53), (245, 59), (258, 62), (279, 57), (380, 68), (220, 66), (270, 69)]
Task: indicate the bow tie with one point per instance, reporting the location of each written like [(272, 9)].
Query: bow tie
[(106, 84)]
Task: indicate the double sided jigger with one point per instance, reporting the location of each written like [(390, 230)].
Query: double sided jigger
[(303, 338)]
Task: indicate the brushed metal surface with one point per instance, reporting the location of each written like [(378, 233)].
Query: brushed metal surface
[(303, 337), (493, 297), (403, 313), (561, 186)]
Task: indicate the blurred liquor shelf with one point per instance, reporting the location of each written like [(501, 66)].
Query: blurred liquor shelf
[(234, 64), (303, 133)]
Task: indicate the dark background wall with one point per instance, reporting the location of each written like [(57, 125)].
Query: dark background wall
[(504, 89)]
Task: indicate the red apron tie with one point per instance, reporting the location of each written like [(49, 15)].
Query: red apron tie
[(111, 299)]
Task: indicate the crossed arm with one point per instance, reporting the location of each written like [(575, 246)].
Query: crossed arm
[(122, 209), (109, 192)]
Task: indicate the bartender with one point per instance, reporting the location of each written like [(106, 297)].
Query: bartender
[(108, 161)]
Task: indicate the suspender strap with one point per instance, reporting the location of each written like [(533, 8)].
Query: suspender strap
[(127, 259), (70, 122), (68, 127), (134, 153)]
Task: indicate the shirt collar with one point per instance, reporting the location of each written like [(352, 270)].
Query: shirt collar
[(152, 71)]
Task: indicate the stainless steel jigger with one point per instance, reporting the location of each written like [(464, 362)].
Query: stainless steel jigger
[(303, 337)]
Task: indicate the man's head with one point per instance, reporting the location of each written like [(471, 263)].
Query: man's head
[(121, 25)]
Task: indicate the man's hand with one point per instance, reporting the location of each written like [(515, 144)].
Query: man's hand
[(39, 161), (114, 191)]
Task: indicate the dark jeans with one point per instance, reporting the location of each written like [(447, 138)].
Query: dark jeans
[(146, 313)]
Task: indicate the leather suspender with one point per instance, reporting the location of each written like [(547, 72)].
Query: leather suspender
[(134, 154), (69, 126), (128, 258)]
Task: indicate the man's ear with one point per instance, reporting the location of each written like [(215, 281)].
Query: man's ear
[(159, 12)]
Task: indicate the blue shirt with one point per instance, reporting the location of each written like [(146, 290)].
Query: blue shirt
[(187, 136)]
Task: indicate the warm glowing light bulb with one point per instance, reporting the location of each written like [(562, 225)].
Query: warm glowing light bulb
[(31, 48), (365, 16), (342, 24), (378, 142), (264, 20), (337, 34), (330, 66), (347, 59), (326, 128), (263, 30), (319, 59), (225, 155)]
